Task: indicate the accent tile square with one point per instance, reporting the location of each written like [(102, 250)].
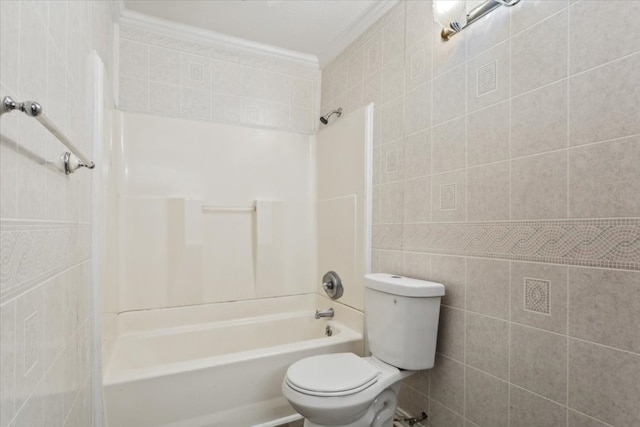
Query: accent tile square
[(196, 72), (448, 196), (374, 55), (555, 318), (487, 76), (392, 161), (536, 295), (391, 157)]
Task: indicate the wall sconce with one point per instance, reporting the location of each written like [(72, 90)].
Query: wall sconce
[(453, 16)]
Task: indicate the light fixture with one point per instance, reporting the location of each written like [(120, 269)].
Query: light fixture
[(453, 15)]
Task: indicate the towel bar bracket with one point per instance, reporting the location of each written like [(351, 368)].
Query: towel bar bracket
[(72, 163), (30, 108)]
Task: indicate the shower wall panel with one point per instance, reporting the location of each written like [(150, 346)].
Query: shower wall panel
[(175, 250)]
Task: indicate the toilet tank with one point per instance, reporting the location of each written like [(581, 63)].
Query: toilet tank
[(401, 319)]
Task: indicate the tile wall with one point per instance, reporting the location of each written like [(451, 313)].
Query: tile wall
[(179, 77), (46, 314), (507, 166)]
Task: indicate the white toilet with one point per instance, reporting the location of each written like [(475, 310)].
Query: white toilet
[(401, 318)]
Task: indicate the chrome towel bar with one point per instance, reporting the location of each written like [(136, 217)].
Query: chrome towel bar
[(33, 109)]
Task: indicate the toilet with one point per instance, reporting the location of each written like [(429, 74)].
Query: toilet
[(343, 389)]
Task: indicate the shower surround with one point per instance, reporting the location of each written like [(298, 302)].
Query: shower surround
[(506, 167)]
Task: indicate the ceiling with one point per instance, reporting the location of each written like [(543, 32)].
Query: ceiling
[(312, 27)]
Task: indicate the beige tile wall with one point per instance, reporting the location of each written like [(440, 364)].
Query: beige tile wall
[(539, 170), (179, 77), (46, 314)]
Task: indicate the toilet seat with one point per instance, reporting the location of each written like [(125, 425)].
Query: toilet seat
[(329, 375)]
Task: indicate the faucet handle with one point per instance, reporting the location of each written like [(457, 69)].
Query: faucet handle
[(332, 285)]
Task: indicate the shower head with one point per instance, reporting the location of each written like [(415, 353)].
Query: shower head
[(325, 119)]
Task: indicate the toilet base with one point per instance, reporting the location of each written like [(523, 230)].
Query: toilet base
[(379, 414)]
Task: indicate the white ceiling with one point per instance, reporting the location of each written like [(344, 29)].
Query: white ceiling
[(307, 26)]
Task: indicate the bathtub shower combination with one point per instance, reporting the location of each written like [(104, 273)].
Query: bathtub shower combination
[(215, 289), (218, 364)]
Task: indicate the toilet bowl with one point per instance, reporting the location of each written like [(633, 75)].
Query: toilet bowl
[(343, 389)]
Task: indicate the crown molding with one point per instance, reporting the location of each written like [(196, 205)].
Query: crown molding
[(368, 17), (200, 35)]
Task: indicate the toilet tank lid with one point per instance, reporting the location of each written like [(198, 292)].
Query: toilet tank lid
[(403, 286)]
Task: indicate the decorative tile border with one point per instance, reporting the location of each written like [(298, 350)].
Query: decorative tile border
[(31, 251), (608, 243)]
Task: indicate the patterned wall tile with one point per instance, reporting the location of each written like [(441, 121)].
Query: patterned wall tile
[(610, 243), (536, 295), (218, 70), (33, 251)]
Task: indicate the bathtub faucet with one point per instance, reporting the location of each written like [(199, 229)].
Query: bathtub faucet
[(324, 313)]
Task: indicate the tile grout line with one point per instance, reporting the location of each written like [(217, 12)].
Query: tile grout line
[(568, 205), (432, 198), (509, 351), (464, 355), (568, 136), (510, 153), (15, 363), (466, 136), (568, 281)]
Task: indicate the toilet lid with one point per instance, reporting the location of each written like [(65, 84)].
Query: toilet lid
[(331, 375)]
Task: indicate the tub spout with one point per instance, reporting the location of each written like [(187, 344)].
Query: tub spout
[(324, 313)]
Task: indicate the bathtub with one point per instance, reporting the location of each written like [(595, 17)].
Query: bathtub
[(217, 364)]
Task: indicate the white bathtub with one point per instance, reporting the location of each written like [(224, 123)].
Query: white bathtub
[(217, 364)]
